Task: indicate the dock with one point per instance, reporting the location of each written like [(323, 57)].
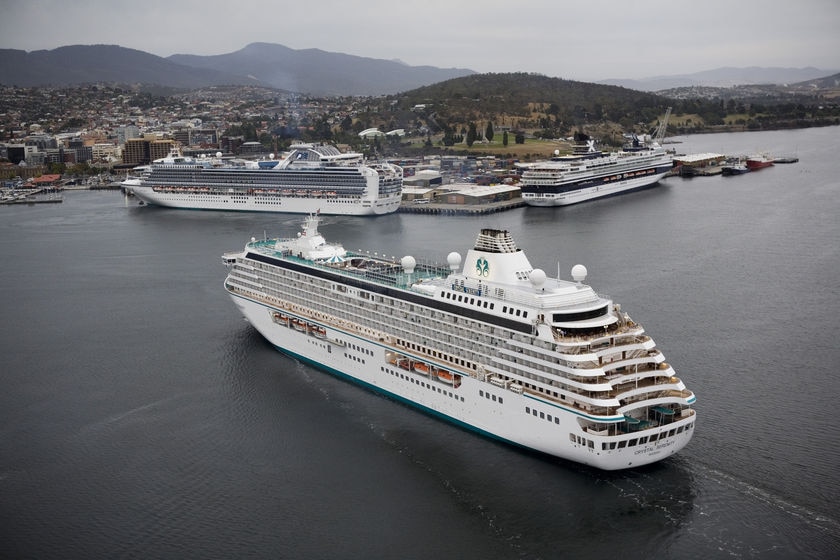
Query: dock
[(28, 196), (461, 209)]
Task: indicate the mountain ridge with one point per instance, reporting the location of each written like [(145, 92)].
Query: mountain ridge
[(321, 72), (306, 71), (724, 76)]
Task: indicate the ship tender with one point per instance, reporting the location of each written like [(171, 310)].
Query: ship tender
[(487, 342)]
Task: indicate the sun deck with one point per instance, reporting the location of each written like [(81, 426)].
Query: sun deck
[(360, 265)]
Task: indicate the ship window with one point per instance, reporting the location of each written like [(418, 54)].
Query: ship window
[(494, 398), (548, 417), (622, 444), (556, 420), (643, 440), (500, 400), (559, 317), (542, 415), (518, 311), (527, 410), (572, 438), (481, 394), (631, 443)]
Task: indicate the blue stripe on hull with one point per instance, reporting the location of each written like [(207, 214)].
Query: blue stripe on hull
[(379, 390), (595, 182)]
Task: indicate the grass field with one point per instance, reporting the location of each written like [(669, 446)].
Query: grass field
[(533, 148)]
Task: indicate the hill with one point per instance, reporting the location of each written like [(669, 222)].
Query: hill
[(723, 77), (85, 64), (309, 71), (321, 73), (553, 107)]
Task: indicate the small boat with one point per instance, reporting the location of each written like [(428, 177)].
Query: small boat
[(449, 378), (421, 367), (734, 169), (759, 161), (786, 159)]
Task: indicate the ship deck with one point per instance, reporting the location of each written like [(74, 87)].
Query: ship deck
[(359, 265)]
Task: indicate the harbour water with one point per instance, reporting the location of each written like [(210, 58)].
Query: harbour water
[(141, 417)]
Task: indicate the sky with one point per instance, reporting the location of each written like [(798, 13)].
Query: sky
[(586, 40)]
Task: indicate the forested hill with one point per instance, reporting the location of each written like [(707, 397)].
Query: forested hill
[(513, 99)]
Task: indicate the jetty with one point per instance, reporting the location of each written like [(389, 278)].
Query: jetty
[(30, 196)]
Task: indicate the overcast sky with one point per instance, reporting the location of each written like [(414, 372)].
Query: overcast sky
[(585, 40)]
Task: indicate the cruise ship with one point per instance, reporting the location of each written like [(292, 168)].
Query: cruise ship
[(588, 173), (312, 177), (486, 342)]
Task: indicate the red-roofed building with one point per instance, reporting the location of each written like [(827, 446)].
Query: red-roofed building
[(47, 180)]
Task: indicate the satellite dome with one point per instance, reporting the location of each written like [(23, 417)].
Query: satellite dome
[(537, 278), (218, 154), (579, 273), (408, 263), (454, 260)]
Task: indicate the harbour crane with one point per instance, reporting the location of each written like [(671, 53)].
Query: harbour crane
[(660, 132)]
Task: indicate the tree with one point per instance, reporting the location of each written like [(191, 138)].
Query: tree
[(448, 137), (505, 138), (488, 132), (471, 134)]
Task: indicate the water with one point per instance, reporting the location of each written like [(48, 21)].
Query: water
[(141, 417)]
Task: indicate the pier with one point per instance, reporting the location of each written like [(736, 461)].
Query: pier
[(28, 196), (462, 209)]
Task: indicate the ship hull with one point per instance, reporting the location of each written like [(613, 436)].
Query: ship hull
[(754, 164), (515, 418), (565, 196), (259, 203)]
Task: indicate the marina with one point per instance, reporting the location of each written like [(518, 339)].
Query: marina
[(30, 196)]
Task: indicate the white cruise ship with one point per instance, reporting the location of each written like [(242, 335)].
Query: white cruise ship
[(588, 174), (313, 177), (487, 342)]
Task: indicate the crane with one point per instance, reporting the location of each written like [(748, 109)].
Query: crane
[(660, 132)]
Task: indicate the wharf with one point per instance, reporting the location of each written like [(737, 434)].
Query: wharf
[(29, 197), (463, 209), (31, 200)]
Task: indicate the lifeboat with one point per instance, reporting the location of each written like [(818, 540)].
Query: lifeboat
[(449, 378), (421, 367)]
